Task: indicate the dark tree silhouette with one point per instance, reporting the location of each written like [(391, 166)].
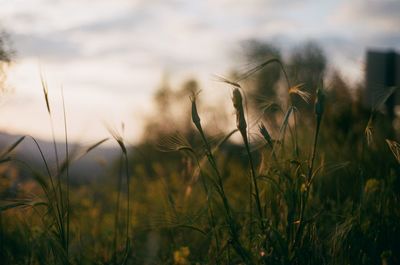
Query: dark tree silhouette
[(264, 82), (5, 57), (307, 66)]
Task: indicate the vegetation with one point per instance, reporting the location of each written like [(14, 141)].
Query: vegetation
[(299, 185)]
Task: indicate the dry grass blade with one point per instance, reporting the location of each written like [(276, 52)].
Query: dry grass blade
[(369, 132), (381, 99), (21, 203), (95, 145), (264, 132), (5, 160), (117, 137), (225, 80), (258, 68), (306, 96), (174, 143), (45, 92), (13, 146), (285, 122), (395, 148), (266, 106), (329, 169), (382, 95)]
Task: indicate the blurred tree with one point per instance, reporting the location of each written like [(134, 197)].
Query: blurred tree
[(262, 86), (172, 110), (340, 110), (263, 83), (307, 66), (160, 121), (5, 58)]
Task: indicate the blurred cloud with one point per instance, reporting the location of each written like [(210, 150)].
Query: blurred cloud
[(370, 15), (49, 46)]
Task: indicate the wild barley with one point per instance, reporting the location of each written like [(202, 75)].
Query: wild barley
[(120, 140), (264, 132), (319, 107), (267, 137), (240, 118), (304, 95), (319, 103), (241, 124), (233, 227), (395, 148), (68, 209), (319, 110), (195, 115)]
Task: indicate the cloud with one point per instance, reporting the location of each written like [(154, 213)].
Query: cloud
[(46, 47), (369, 16)]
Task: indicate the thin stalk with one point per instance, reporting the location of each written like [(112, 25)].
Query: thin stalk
[(254, 179), (67, 170), (58, 213), (1, 236), (46, 97), (231, 222), (119, 139), (251, 230), (116, 218), (210, 209), (310, 169), (128, 215), (57, 163), (319, 109), (233, 229)]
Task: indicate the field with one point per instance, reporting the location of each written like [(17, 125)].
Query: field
[(311, 179)]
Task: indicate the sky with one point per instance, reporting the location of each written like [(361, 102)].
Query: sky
[(110, 56)]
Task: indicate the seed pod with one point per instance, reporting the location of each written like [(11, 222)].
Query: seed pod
[(319, 102), (195, 114), (264, 132), (238, 105), (45, 92)]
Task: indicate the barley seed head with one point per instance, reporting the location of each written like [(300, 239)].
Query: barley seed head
[(320, 101), (237, 100), (195, 115)]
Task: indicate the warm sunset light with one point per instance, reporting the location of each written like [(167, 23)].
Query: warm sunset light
[(199, 132)]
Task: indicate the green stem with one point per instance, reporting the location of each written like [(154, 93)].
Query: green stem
[(67, 171), (254, 178), (304, 197), (231, 222)]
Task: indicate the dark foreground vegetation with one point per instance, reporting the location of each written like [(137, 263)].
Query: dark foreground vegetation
[(310, 178)]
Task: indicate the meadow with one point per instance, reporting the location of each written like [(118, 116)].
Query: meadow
[(312, 178)]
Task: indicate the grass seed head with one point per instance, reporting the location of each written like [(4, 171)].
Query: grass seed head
[(45, 92), (264, 132), (301, 93), (369, 132), (117, 137), (320, 102), (237, 100), (195, 115), (395, 148)]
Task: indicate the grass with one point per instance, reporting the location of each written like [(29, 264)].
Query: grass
[(303, 191)]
